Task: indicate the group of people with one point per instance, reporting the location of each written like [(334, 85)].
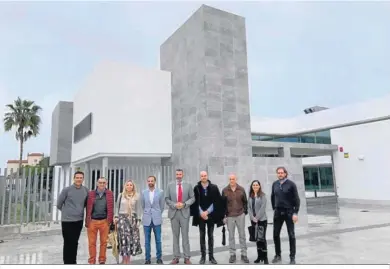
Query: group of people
[(204, 202)]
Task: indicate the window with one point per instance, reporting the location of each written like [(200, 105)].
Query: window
[(322, 137), (82, 129), (318, 178)]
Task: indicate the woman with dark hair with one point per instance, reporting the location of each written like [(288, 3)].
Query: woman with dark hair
[(257, 204)]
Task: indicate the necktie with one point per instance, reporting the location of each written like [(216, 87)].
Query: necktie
[(180, 193)]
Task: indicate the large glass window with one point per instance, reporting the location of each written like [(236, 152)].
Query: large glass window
[(315, 138), (318, 178), (323, 137)]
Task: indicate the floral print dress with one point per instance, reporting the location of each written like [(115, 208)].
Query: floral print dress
[(128, 228)]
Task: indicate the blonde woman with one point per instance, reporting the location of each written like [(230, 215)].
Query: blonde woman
[(128, 218)]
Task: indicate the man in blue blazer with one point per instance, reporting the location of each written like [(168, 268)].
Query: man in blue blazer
[(152, 201)]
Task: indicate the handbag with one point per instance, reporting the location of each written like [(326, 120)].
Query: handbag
[(260, 236), (256, 233), (251, 231)]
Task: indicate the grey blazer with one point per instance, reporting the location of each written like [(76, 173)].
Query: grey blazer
[(171, 199), (152, 211), (260, 208)]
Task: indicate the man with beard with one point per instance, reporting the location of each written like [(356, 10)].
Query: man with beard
[(285, 203), (179, 197), (206, 212), (152, 202)]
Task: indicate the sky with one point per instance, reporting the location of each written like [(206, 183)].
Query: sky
[(300, 54)]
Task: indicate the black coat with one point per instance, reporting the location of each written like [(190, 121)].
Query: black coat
[(218, 213)]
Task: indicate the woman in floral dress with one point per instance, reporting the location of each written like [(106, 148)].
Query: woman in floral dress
[(128, 218)]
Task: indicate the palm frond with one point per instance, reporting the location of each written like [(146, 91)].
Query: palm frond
[(23, 115)]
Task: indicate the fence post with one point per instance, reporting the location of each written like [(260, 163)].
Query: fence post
[(57, 184)]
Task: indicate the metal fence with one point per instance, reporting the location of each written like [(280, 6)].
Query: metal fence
[(30, 195)]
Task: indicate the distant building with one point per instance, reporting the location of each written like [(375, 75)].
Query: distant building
[(33, 159)]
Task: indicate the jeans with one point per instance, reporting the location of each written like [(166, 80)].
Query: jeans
[(71, 233), (102, 227), (281, 216), (157, 237)]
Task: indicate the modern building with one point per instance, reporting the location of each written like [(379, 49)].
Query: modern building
[(354, 147), (194, 114)]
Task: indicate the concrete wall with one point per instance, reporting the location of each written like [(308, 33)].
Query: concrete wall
[(363, 176), (61, 133), (210, 97), (131, 112)]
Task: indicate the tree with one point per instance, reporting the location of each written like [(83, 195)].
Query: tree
[(22, 115)]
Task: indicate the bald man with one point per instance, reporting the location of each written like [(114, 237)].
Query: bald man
[(236, 209), (206, 213)]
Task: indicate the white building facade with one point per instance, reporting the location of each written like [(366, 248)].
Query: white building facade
[(360, 132)]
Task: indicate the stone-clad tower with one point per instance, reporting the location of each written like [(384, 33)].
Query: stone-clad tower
[(210, 97)]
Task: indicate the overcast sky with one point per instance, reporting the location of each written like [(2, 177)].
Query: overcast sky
[(300, 54)]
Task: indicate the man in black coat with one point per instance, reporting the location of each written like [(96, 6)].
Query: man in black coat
[(207, 211)]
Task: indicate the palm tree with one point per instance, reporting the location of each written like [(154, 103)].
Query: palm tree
[(23, 115)]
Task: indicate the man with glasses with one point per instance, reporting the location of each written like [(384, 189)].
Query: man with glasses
[(100, 213), (285, 203)]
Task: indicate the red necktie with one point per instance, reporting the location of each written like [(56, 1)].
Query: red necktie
[(180, 194)]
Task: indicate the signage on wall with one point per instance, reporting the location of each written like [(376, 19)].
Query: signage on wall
[(346, 155)]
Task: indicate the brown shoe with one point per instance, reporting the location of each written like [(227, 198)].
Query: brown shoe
[(187, 261), (175, 261)]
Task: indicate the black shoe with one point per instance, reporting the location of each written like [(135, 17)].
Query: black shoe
[(277, 259), (232, 259), (266, 260), (159, 261), (244, 259), (202, 260), (212, 260), (148, 262), (292, 260), (257, 260)]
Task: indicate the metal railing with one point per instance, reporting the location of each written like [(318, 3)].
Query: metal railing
[(30, 196)]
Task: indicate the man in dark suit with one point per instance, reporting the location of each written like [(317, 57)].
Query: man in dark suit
[(207, 211)]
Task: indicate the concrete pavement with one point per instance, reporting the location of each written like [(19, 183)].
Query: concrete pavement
[(352, 234)]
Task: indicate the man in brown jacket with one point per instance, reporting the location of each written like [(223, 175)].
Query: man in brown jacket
[(236, 209)]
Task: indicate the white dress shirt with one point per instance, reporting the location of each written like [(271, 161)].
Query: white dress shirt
[(151, 196)]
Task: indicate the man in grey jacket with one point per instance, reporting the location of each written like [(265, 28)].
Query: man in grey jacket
[(152, 202), (72, 202), (179, 198)]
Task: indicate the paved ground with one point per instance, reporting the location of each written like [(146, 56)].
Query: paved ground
[(335, 235)]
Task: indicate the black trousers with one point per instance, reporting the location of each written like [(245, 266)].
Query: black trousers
[(262, 246), (71, 234), (210, 236), (281, 216)]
